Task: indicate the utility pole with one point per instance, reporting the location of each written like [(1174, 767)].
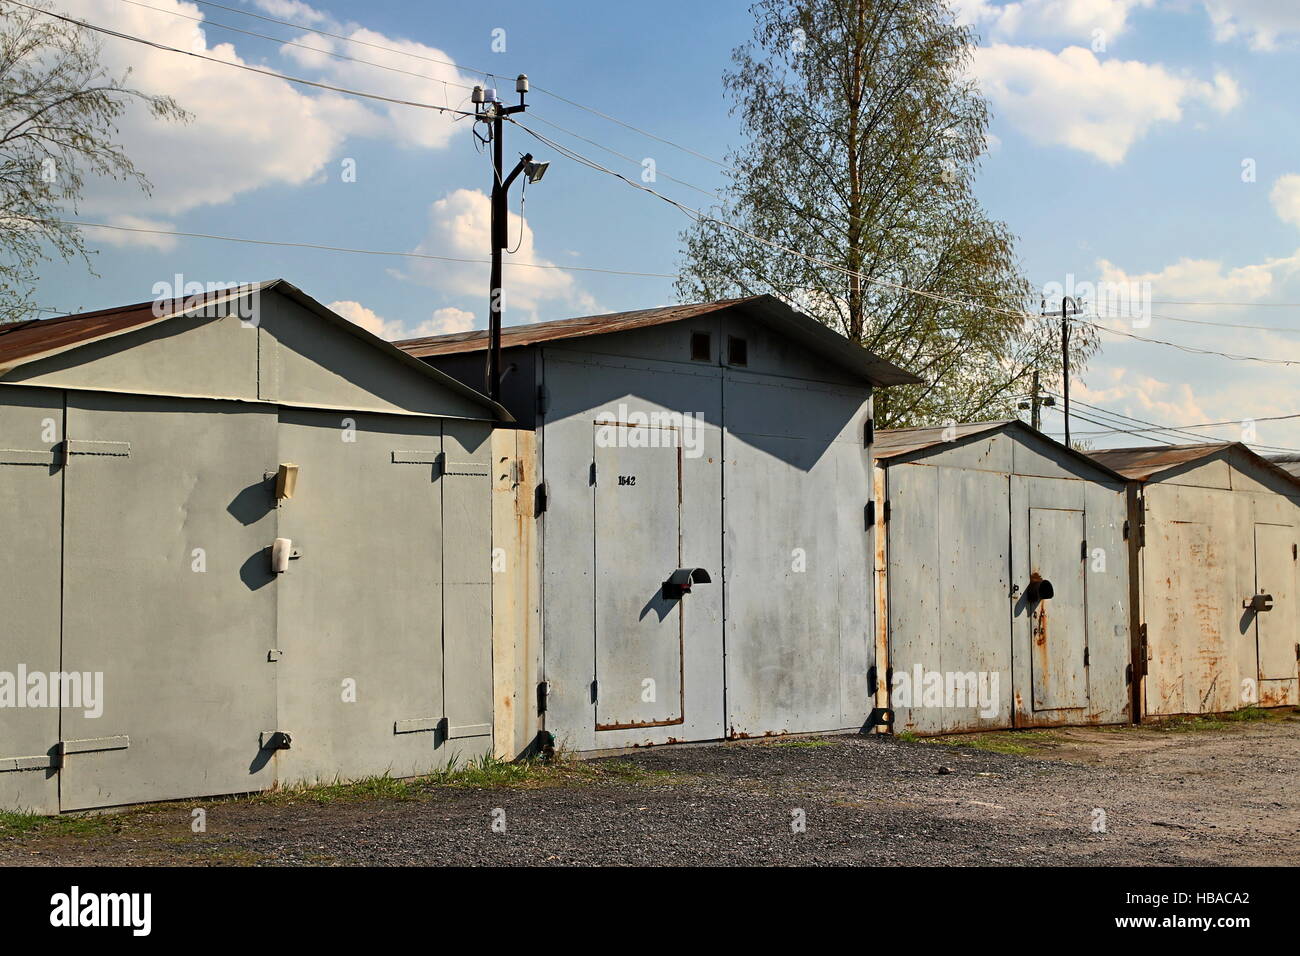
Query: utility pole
[(1069, 307), (1036, 401), (492, 112)]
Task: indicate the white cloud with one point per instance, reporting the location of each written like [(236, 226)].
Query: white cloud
[(1140, 395), (1208, 279), (249, 131), (1264, 24), (294, 10), (459, 227), (1058, 18), (1101, 107), (1286, 198), (444, 320), (425, 78)]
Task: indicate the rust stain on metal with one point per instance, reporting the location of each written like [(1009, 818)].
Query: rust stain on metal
[(635, 724), (1141, 463)]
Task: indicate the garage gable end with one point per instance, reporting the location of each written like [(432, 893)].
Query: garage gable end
[(267, 343)]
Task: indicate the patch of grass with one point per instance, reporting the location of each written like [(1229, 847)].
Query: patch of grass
[(1018, 742), (1226, 721), (909, 737), (803, 743), (34, 824)]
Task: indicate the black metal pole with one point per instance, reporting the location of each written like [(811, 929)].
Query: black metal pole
[(498, 228), (1065, 367)]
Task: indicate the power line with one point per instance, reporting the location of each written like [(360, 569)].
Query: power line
[(485, 73), (328, 248), (1190, 348), (1180, 431), (262, 36), (239, 66)]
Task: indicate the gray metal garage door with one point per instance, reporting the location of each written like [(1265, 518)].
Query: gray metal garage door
[(637, 545), (167, 594), (31, 497)]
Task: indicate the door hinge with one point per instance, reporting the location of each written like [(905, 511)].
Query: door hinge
[(871, 514), (543, 691), (1083, 550), (595, 690), (1085, 657), (1293, 552), (1126, 529), (541, 399), (539, 499), (871, 679), (869, 432)]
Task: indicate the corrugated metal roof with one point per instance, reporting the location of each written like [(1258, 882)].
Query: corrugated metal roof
[(1288, 463), (1141, 463), (892, 442), (24, 342), (766, 308)]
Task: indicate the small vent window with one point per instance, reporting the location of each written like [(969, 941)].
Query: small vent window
[(737, 351), (701, 347)]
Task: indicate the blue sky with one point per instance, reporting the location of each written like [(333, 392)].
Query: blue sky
[(1152, 142)]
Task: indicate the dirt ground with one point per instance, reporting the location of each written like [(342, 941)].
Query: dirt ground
[(1198, 792)]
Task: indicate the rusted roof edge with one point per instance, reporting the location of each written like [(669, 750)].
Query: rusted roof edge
[(977, 430)]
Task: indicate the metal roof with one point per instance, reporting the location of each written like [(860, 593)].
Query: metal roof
[(24, 342), (768, 309), (891, 443), (1141, 463), (1288, 463)]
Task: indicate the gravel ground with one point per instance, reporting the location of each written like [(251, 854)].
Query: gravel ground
[(1211, 796)]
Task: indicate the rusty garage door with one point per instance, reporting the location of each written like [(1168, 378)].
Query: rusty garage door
[(637, 547), (1060, 623)]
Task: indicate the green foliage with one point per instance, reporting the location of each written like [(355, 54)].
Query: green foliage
[(864, 132), (58, 120)]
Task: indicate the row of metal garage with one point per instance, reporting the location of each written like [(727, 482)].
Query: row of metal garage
[(276, 549)]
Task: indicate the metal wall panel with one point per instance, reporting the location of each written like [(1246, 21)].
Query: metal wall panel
[(579, 389), (467, 576), (950, 618), (639, 630), (188, 689), (914, 597), (1199, 643), (797, 480), (31, 494), (964, 534), (1059, 625), (516, 593), (361, 611), (1275, 575)]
